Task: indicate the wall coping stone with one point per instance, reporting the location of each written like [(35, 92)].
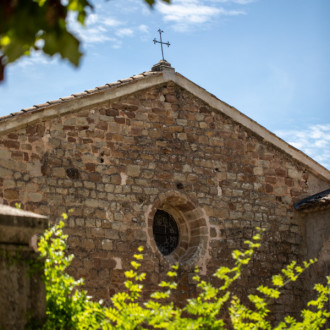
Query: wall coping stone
[(18, 227)]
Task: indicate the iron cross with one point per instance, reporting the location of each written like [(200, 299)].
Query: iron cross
[(161, 42)]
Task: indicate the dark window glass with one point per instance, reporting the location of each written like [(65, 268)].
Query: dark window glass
[(166, 232)]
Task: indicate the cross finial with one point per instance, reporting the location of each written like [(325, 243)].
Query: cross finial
[(161, 42)]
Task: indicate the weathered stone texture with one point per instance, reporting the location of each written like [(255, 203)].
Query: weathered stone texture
[(112, 162)]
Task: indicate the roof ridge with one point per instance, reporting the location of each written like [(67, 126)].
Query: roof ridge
[(73, 96)]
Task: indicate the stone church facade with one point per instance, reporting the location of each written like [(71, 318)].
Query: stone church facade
[(155, 160)]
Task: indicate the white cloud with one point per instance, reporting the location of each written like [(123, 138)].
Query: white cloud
[(35, 58), (117, 44), (95, 34), (143, 28), (240, 2), (101, 27), (124, 32), (96, 29), (187, 13), (314, 141), (243, 2), (91, 19), (111, 22)]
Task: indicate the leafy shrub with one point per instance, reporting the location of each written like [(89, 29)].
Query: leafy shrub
[(69, 307)]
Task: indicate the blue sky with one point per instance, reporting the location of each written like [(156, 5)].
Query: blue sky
[(268, 58)]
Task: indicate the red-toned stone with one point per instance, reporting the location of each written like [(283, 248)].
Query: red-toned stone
[(11, 144)]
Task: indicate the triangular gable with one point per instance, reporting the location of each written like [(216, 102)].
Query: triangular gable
[(143, 81)]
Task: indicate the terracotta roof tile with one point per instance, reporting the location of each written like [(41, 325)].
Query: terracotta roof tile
[(67, 98), (90, 91), (149, 73), (102, 87), (116, 83), (138, 76), (42, 105), (29, 109), (17, 113), (79, 94), (125, 80), (55, 101), (5, 117)]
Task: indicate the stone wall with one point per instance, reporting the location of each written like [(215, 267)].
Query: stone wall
[(22, 293), (117, 162), (318, 245)]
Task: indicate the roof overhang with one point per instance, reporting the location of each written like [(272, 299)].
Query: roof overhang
[(319, 201)]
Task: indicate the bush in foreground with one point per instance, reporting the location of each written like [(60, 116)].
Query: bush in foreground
[(69, 307)]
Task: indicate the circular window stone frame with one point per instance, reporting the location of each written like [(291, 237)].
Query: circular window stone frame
[(192, 225)]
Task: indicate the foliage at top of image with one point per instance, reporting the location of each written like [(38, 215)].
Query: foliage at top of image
[(69, 307), (41, 25)]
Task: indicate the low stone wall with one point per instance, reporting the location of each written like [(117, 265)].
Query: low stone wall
[(22, 293)]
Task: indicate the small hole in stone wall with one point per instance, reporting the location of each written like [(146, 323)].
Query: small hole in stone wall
[(179, 185), (101, 157), (141, 199), (72, 173), (217, 169)]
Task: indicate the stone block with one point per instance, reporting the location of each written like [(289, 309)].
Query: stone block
[(93, 203), (111, 234), (107, 244), (5, 154), (133, 170), (89, 185), (35, 197), (11, 194), (58, 172), (294, 174)]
